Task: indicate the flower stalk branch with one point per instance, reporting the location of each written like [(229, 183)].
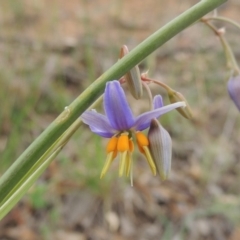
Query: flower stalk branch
[(223, 19), (230, 58)]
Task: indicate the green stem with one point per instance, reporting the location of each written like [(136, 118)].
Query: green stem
[(163, 85), (230, 58), (19, 192), (224, 19), (29, 157), (149, 93), (22, 186), (230, 55), (59, 144)]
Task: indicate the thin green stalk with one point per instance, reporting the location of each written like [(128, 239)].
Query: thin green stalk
[(31, 155), (230, 58), (163, 85), (223, 19), (149, 93)]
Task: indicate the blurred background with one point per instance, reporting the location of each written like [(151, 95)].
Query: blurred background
[(50, 51)]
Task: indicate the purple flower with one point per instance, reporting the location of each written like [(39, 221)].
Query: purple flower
[(234, 90), (119, 116), (121, 125)]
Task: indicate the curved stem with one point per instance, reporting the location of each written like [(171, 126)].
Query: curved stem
[(19, 189), (224, 19), (163, 85), (231, 60), (149, 93)]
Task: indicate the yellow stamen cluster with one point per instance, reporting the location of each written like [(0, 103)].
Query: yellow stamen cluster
[(123, 145)]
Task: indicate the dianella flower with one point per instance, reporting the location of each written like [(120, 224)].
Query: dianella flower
[(122, 127), (234, 90)]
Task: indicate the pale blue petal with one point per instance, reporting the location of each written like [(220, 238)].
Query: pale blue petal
[(157, 102), (105, 134), (160, 144), (116, 107), (234, 90), (98, 123), (143, 121)]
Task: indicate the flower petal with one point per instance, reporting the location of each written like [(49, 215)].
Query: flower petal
[(143, 121), (98, 123), (160, 148), (118, 111), (101, 133), (234, 90), (157, 102)]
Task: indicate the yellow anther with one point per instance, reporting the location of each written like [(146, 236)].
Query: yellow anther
[(112, 145), (123, 143), (142, 139), (143, 143)]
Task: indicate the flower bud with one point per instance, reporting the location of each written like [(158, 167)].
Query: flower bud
[(132, 77), (160, 145), (234, 90), (178, 97), (157, 102)]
